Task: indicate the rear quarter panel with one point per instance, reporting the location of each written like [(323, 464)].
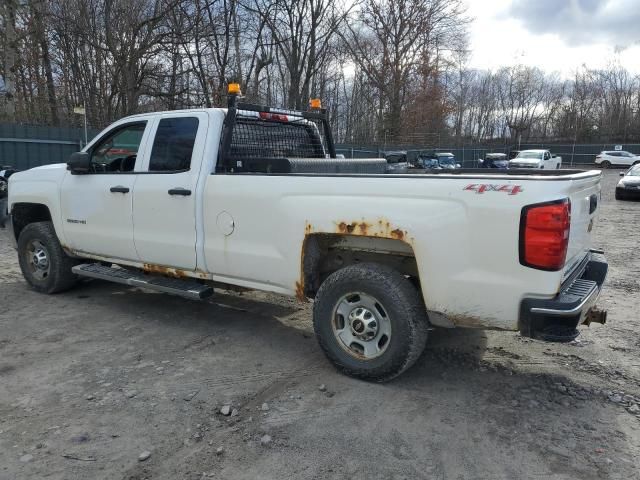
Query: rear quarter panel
[(465, 242)]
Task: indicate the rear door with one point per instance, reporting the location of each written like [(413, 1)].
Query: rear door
[(164, 208)]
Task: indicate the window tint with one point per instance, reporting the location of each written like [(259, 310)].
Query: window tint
[(547, 156), (173, 145), (118, 151)]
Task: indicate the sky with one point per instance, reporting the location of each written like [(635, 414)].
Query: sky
[(555, 35)]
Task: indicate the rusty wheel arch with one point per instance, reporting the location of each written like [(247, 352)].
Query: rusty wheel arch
[(324, 253)]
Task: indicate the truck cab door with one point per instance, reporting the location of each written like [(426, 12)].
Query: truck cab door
[(97, 206), (547, 161), (165, 198)]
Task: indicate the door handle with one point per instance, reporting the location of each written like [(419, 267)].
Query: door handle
[(119, 189), (179, 191)]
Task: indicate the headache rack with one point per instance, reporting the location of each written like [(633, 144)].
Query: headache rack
[(257, 138)]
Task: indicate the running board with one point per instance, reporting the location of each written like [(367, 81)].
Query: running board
[(176, 286)]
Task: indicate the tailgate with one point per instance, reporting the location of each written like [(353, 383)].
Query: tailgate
[(584, 194)]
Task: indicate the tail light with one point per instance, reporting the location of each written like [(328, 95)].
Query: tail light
[(544, 235)]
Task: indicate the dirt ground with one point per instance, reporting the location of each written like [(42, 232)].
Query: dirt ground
[(92, 378)]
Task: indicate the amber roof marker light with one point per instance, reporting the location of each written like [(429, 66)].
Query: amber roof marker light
[(315, 104), (234, 89)]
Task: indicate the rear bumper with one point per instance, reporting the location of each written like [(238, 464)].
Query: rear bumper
[(574, 304)]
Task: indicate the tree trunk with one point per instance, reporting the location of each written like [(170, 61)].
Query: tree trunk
[(10, 59)]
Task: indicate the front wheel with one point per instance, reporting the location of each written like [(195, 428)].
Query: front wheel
[(44, 264), (370, 321), (605, 164)]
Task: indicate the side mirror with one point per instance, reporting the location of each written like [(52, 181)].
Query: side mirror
[(79, 162), (458, 165)]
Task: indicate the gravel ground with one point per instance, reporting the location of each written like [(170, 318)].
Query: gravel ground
[(109, 382)]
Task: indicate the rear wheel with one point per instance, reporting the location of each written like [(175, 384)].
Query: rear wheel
[(605, 164), (44, 264), (370, 321)]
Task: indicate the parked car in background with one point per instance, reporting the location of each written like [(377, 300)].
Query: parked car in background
[(426, 162), (494, 160), (437, 161), (628, 187), (396, 161), (542, 159), (609, 158)]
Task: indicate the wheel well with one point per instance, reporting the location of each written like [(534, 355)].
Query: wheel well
[(323, 254), (22, 214)]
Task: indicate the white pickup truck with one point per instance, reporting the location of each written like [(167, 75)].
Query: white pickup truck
[(542, 159), (254, 197)]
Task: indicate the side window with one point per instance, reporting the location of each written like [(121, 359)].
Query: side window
[(547, 155), (117, 152), (173, 145)]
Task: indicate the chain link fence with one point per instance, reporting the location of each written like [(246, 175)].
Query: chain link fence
[(468, 156), (25, 146)]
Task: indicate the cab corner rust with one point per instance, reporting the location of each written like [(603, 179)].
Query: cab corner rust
[(173, 272), (159, 269)]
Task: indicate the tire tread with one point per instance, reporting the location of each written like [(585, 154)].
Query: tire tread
[(61, 263), (411, 308)]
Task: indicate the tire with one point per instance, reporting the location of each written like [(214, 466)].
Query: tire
[(396, 307), (605, 164), (44, 265), (557, 166), (619, 196)]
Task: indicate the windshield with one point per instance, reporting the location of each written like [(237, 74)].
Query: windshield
[(634, 172), (536, 155)]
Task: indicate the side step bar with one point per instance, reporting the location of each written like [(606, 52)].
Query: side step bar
[(176, 286)]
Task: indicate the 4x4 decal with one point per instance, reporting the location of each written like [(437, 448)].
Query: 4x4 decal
[(487, 187)]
